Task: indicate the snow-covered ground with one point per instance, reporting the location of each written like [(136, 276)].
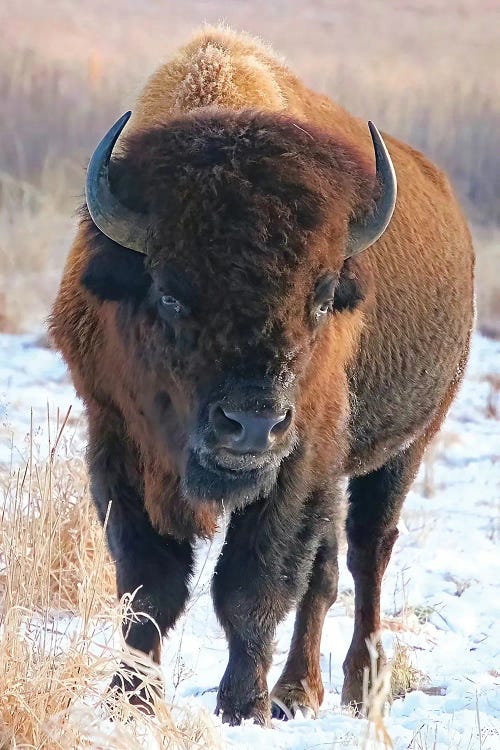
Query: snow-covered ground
[(441, 591)]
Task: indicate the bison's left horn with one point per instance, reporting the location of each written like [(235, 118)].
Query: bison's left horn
[(114, 219), (362, 234)]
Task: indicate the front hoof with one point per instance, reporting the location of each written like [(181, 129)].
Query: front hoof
[(357, 662), (293, 701), (352, 692), (235, 718), (140, 692), (233, 711)]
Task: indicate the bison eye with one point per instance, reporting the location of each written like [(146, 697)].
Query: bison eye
[(171, 308), (325, 308), (323, 298), (321, 311)]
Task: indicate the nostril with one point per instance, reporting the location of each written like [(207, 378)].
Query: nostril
[(225, 425), (248, 431), (282, 423)]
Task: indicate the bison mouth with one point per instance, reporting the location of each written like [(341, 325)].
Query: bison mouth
[(227, 477)]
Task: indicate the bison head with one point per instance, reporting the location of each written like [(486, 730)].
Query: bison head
[(223, 237)]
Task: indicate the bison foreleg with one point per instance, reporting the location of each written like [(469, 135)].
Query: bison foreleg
[(251, 595), (263, 570), (155, 568), (374, 506), (300, 687)]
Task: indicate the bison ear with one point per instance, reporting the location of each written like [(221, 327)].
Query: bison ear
[(350, 290), (115, 273)]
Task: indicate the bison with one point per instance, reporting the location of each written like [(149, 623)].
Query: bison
[(257, 325)]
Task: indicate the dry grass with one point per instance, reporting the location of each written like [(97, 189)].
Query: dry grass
[(46, 114), (50, 535), (60, 629), (376, 693), (425, 72), (487, 279), (405, 677), (382, 685), (32, 247)]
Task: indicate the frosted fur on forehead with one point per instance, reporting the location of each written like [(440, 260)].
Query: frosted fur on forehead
[(216, 68)]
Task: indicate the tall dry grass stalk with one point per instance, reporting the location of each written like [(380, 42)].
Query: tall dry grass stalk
[(60, 629), (376, 693), (381, 685)]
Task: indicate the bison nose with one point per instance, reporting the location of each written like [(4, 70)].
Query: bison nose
[(248, 431)]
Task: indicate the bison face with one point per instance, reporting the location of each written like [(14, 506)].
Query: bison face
[(241, 221), (222, 367), (216, 368), (230, 384)]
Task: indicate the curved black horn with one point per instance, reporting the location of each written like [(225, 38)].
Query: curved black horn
[(363, 234), (114, 219)]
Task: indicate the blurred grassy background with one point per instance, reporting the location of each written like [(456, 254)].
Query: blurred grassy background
[(425, 71)]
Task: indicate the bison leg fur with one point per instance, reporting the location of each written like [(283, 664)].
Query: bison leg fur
[(269, 561), (375, 502), (255, 583), (155, 568), (300, 687), (157, 571)]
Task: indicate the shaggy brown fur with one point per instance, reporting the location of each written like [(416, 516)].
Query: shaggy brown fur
[(252, 180)]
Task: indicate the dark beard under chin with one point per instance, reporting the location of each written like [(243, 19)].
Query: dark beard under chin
[(233, 489)]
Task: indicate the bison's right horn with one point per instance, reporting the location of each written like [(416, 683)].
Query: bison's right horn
[(115, 220), (362, 234)]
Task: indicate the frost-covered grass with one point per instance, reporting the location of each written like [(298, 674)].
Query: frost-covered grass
[(59, 624)]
